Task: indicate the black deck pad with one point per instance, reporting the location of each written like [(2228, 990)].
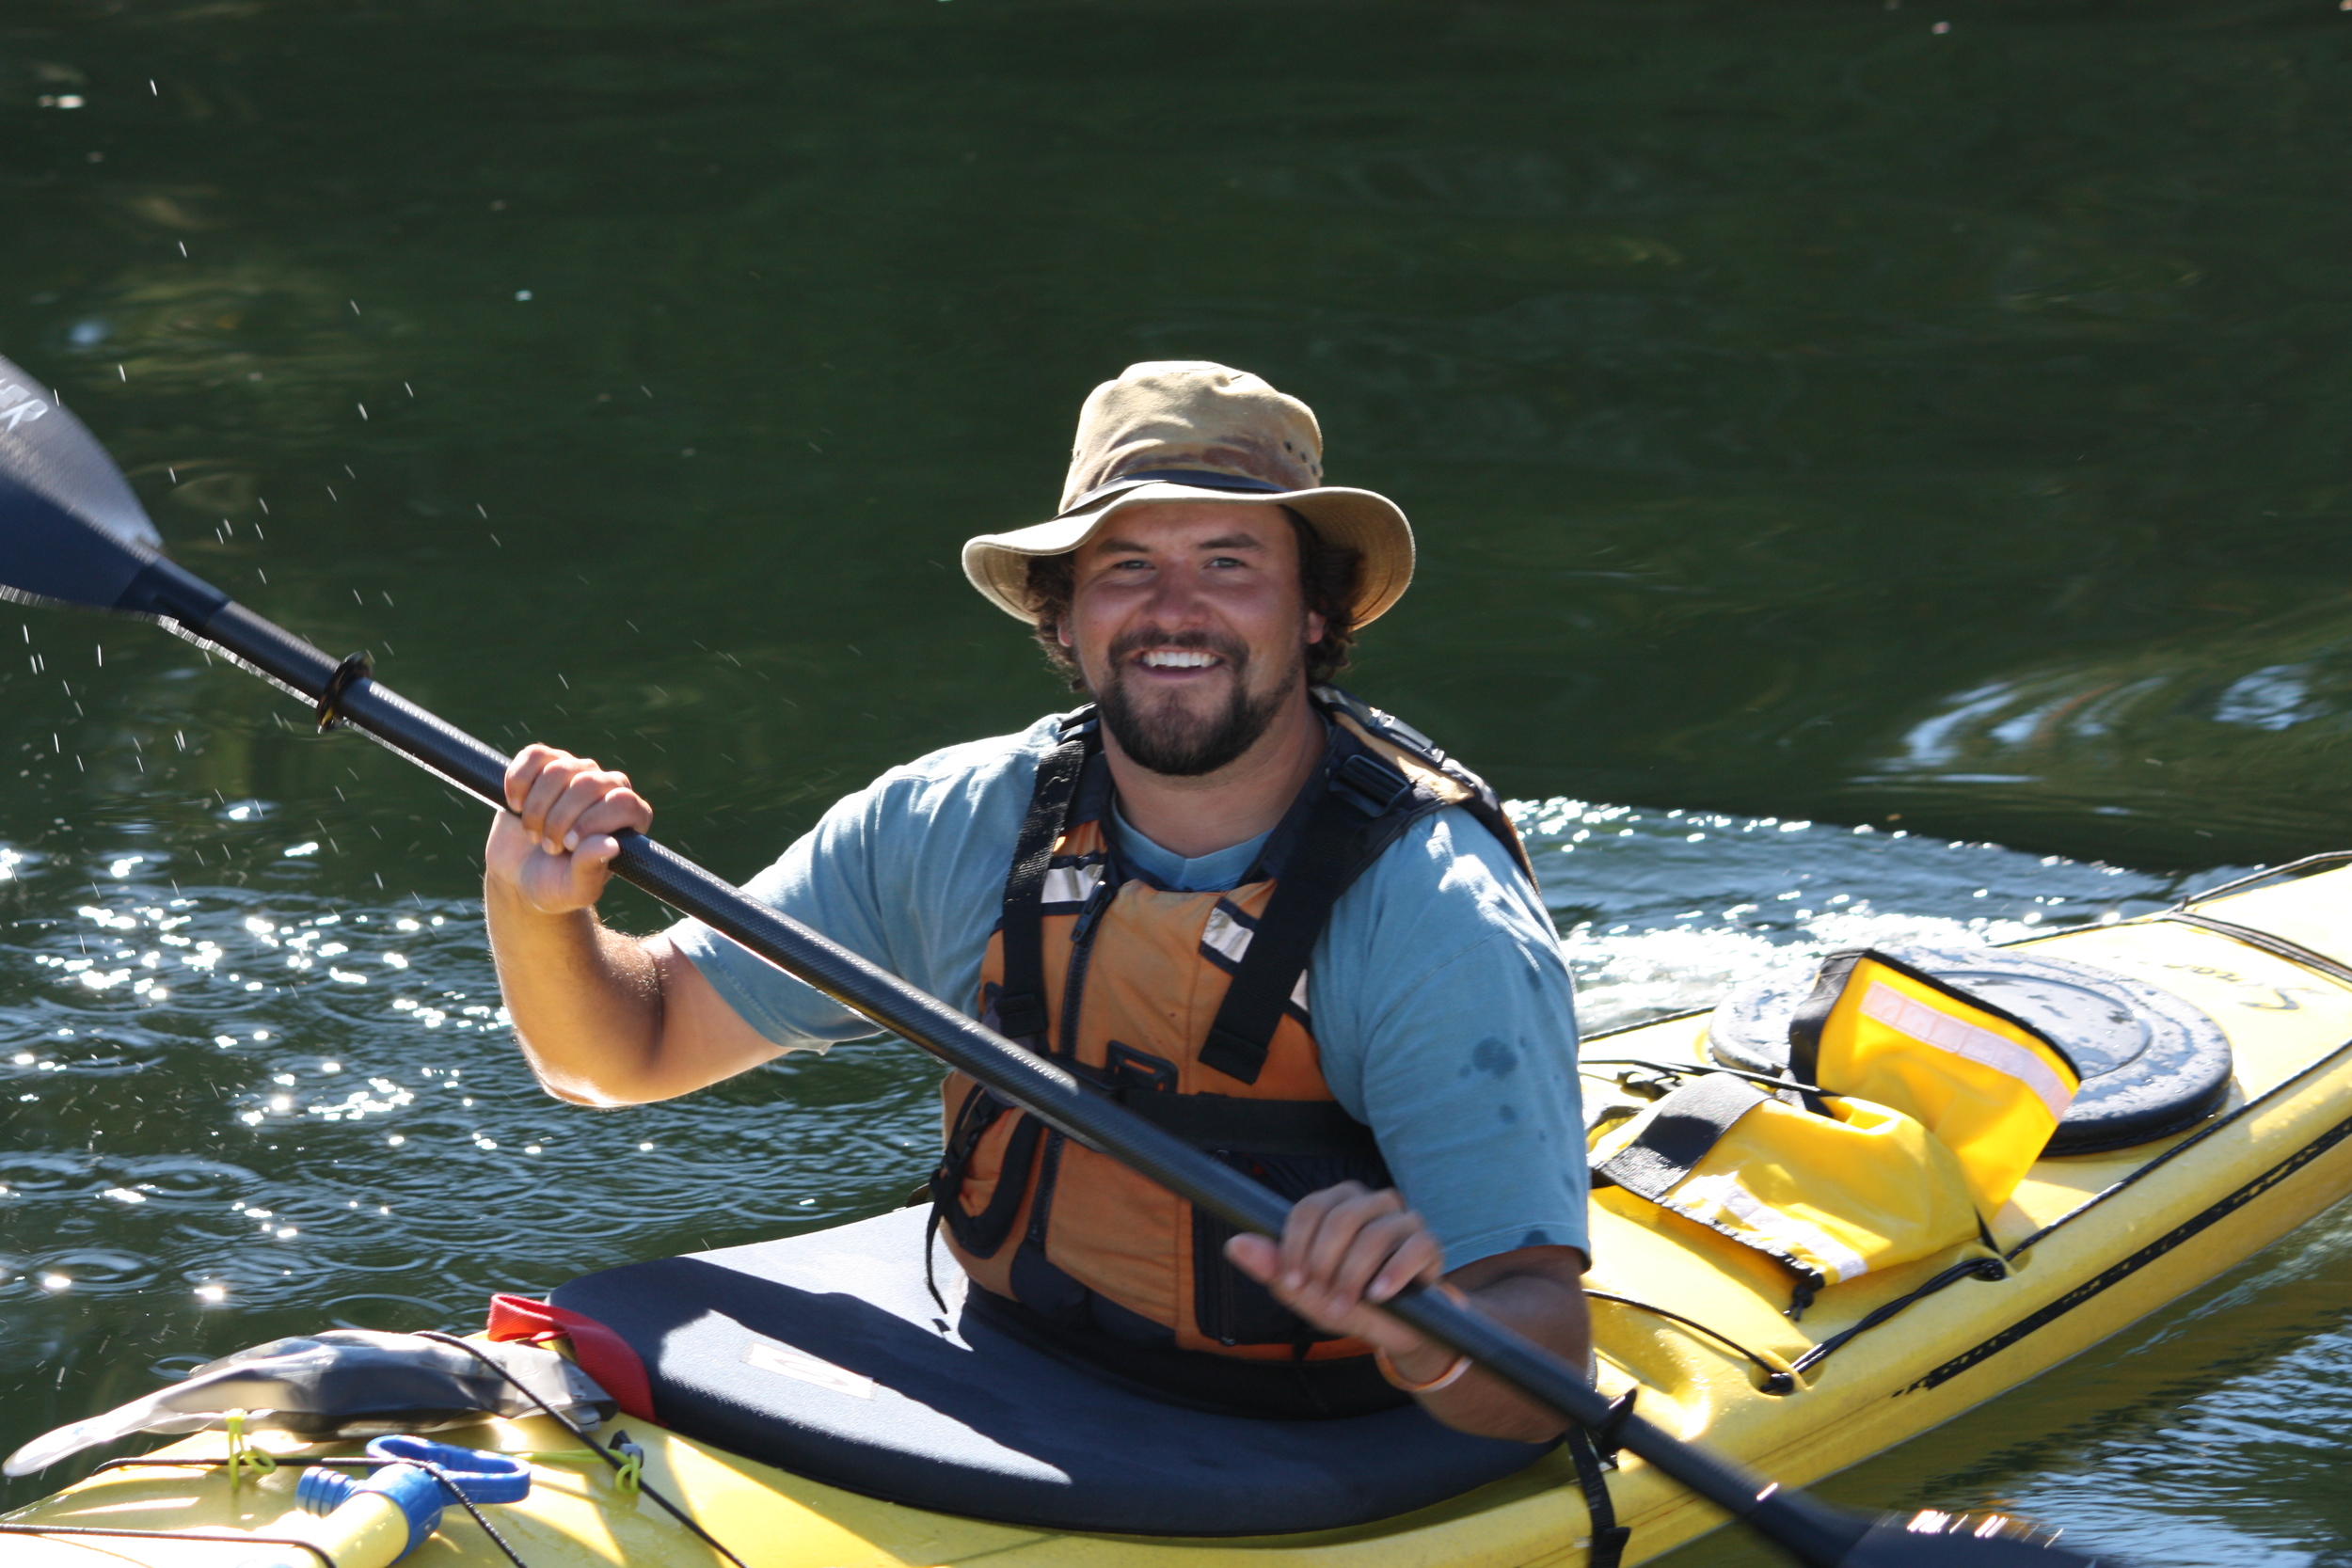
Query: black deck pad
[(823, 1354)]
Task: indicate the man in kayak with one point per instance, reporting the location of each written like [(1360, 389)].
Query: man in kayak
[(1265, 916)]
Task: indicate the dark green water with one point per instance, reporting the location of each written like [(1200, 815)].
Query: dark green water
[(1811, 418)]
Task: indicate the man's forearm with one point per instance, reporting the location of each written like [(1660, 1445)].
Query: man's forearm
[(586, 1001)]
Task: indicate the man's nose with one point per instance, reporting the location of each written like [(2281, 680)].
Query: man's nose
[(1176, 601)]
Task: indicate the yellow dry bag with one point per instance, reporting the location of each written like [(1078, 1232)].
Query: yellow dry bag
[(1922, 1109), (1832, 1193), (1991, 1086)]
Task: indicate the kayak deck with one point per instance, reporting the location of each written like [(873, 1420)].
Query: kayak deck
[(2090, 1244)]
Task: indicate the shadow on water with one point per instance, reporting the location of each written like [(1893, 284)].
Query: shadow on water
[(1815, 417)]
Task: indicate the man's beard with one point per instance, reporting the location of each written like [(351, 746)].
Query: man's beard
[(1165, 739)]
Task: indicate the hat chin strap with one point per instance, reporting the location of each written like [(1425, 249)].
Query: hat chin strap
[(1199, 478)]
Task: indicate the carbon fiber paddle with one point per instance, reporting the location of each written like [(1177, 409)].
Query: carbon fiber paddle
[(73, 533)]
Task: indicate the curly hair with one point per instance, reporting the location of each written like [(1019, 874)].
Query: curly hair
[(1327, 573)]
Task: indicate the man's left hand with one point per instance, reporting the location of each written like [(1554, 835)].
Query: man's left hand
[(1345, 1249)]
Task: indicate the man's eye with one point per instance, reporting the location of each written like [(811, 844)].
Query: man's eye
[(1225, 560)]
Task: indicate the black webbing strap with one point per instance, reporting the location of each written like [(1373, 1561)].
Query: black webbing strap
[(1484, 805), (1305, 1128), (1020, 1012), (982, 1234), (1812, 1014), (1333, 849), (1609, 1537), (1677, 1132)]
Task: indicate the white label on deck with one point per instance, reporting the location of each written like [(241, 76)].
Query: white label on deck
[(16, 405), (771, 1358)]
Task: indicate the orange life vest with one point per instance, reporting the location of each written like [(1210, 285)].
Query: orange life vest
[(1191, 1008)]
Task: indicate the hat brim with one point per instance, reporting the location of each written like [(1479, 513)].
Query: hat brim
[(1363, 520)]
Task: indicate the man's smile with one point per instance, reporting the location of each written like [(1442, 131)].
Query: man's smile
[(1177, 658)]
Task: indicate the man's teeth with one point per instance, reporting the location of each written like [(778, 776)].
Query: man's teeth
[(1175, 660)]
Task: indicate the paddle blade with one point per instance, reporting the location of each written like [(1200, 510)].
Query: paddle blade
[(71, 530), (1935, 1540)]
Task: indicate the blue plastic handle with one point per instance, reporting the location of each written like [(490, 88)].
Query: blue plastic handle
[(484, 1478), (416, 1494), (419, 1494)]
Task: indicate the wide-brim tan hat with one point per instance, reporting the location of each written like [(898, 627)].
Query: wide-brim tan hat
[(1187, 429)]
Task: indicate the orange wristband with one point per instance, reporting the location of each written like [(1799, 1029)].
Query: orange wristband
[(1446, 1378)]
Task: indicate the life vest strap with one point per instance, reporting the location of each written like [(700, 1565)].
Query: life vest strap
[(1021, 1013), (1365, 804), (1307, 1129), (1478, 797), (982, 1234)]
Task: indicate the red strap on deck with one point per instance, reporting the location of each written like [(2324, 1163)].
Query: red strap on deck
[(602, 1354)]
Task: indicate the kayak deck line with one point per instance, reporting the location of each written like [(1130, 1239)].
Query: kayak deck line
[(2139, 1260), (1978, 1267), (2268, 941), (218, 1538), (2090, 1244)]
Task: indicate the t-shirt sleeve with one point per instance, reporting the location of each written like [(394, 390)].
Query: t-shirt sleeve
[(907, 873), (1447, 1022)]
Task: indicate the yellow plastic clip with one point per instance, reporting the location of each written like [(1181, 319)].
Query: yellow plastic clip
[(632, 1468), (244, 1458)]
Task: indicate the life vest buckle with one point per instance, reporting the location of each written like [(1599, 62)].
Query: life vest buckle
[(1021, 1017), (1125, 1068), (1370, 784)]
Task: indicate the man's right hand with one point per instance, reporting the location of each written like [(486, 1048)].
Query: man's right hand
[(553, 846), (605, 1019)]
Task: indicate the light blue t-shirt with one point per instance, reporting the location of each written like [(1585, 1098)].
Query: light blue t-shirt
[(1441, 1004)]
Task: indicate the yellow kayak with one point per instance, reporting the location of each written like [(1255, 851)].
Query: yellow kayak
[(2090, 1241)]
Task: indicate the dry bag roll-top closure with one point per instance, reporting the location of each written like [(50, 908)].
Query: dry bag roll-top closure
[(1921, 1110), (1190, 1007)]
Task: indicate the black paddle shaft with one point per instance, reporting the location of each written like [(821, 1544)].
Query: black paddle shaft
[(1814, 1532), (71, 532)]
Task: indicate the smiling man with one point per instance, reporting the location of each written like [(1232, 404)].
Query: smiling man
[(1262, 914)]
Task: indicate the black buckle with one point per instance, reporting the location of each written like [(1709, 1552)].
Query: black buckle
[(359, 667), (1372, 784), (1019, 1016), (1126, 1068), (1613, 1425)]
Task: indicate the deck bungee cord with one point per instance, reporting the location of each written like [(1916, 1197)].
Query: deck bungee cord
[(1780, 1377), (628, 1470), (72, 532)]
